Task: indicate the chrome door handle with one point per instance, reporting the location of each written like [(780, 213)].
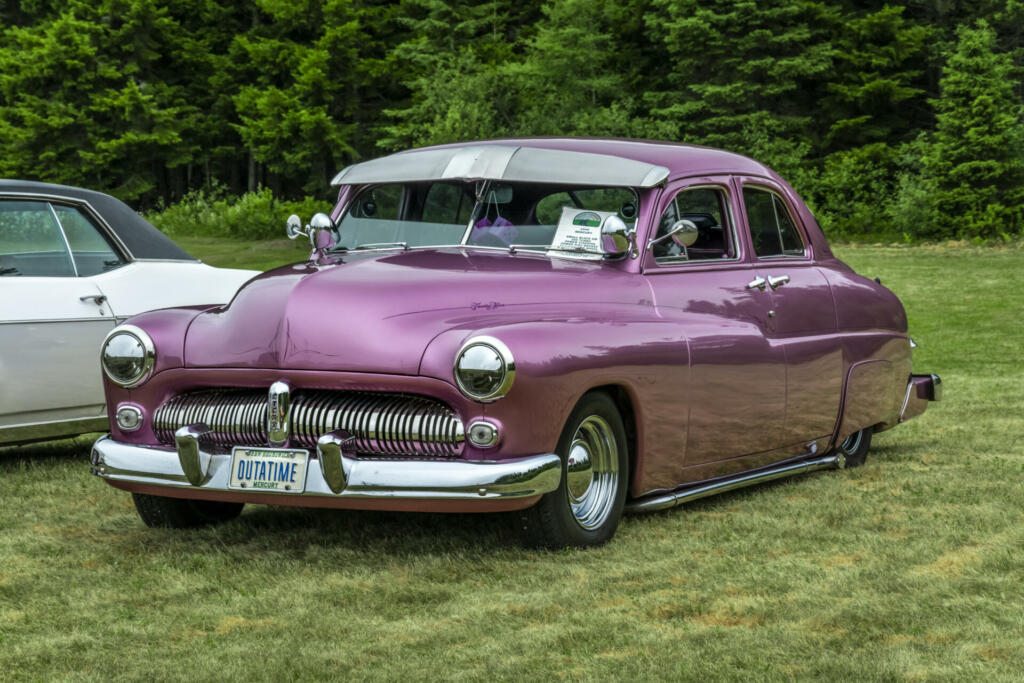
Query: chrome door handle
[(756, 283), (777, 282), (97, 299)]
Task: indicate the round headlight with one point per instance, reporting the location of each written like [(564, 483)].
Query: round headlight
[(128, 356), (484, 369)]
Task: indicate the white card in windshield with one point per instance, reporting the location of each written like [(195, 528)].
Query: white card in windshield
[(579, 229)]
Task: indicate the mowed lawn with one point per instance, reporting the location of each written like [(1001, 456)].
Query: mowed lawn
[(911, 567)]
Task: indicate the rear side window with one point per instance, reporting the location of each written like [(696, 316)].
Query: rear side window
[(31, 243), (772, 229), (92, 252)]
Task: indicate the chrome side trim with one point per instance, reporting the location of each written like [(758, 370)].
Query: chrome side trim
[(663, 501), (39, 431), (388, 479), (97, 319)]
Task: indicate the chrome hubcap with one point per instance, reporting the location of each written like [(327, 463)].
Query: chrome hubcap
[(592, 472), (852, 442)]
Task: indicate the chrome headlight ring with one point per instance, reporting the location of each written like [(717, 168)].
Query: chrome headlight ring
[(135, 345), (484, 369)]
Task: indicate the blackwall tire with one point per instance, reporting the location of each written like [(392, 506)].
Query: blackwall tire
[(584, 511), (182, 513), (855, 447)]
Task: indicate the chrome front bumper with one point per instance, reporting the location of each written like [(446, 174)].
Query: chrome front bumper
[(449, 480)]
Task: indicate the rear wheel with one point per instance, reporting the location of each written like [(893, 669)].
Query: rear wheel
[(183, 513), (855, 447), (586, 507)]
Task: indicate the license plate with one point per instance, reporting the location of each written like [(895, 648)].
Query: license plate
[(269, 469)]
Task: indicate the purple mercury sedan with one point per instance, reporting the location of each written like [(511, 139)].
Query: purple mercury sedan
[(564, 328)]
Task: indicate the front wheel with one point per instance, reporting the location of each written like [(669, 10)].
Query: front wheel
[(855, 447), (183, 513), (586, 507)]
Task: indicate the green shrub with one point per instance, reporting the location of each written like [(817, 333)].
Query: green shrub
[(255, 215), (853, 195)]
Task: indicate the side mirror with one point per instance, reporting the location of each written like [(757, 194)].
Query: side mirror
[(320, 231), (293, 227), (617, 238), (684, 233)]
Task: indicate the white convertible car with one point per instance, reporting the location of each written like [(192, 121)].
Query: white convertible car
[(74, 263)]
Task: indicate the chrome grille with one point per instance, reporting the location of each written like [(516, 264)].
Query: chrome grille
[(383, 424)]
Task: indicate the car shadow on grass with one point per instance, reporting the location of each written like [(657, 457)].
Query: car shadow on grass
[(298, 532), (47, 452)]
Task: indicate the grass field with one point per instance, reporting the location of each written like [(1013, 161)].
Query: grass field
[(911, 567)]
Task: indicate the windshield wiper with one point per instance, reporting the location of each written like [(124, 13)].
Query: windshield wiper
[(404, 246), (9, 271), (513, 248)]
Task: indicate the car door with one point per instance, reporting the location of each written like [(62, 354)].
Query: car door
[(734, 402), (803, 318), (52, 321)]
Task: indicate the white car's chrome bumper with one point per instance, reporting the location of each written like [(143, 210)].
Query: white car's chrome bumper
[(390, 479)]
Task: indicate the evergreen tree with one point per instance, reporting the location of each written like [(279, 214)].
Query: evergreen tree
[(83, 98), (449, 61), (876, 91), (971, 181), (580, 69), (742, 73)]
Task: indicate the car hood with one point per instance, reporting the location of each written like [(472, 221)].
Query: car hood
[(378, 312)]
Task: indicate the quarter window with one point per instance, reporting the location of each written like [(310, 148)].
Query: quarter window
[(772, 230), (705, 207)]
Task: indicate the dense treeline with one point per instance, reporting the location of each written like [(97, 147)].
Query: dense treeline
[(899, 121)]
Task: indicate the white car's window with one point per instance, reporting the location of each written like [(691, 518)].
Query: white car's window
[(92, 252), (31, 242), (772, 230), (707, 208)]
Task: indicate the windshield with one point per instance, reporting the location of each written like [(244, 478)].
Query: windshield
[(480, 213)]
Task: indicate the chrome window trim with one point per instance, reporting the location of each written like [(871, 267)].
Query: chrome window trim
[(63, 236), (164, 260), (464, 244), (50, 429), (663, 262), (101, 223), (789, 212), (148, 362), (506, 357)]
